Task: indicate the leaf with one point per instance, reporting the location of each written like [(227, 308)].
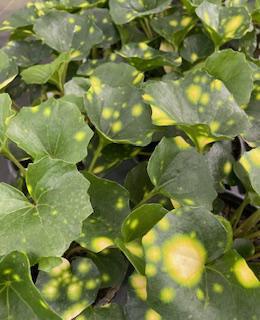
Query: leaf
[(59, 136), (44, 228), (70, 288), (173, 27), (223, 23), (143, 57), (234, 71), (199, 104), (119, 113), (141, 220), (124, 11), (20, 18), (48, 263), (76, 4), (18, 293), (8, 69), (196, 47), (181, 174), (64, 32), (110, 205), (190, 259), (77, 86), (5, 114), (109, 311)]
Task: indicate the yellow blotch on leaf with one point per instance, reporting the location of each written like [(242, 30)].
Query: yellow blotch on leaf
[(184, 259), (245, 163), (143, 46), (80, 136), (173, 23), (232, 25), (101, 243), (185, 21), (147, 97), (137, 110), (167, 294), (149, 238), (204, 99), (245, 275), (254, 156), (35, 109), (107, 113), (218, 288), (194, 57), (138, 282), (194, 93), (152, 315), (164, 224), (117, 126), (227, 167), (47, 112), (200, 294), (153, 254), (181, 143), (74, 291), (96, 84), (214, 126), (161, 118), (216, 85)]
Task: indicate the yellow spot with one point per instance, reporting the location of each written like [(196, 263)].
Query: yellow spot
[(148, 55), (91, 30), (227, 167), (216, 85), (152, 315), (135, 248), (149, 238), (150, 270), (232, 25), (204, 99), (173, 23), (137, 110), (35, 109), (184, 259), (80, 136), (120, 203), (214, 126), (91, 284), (133, 224), (167, 295), (218, 288), (245, 163), (143, 46), (161, 118), (105, 277), (116, 126), (101, 243), (107, 113), (194, 93), (71, 20), (175, 203), (47, 112), (147, 97), (153, 254), (189, 202), (116, 114), (74, 291), (181, 143), (194, 57), (254, 156), (185, 21), (245, 275), (164, 224), (96, 84), (77, 28), (84, 267), (206, 18), (138, 282), (138, 78), (200, 294)]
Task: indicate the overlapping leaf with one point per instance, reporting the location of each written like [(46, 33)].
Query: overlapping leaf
[(8, 69), (110, 311), (5, 113)]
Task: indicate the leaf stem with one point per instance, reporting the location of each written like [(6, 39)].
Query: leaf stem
[(248, 224), (147, 197), (96, 155), (146, 28), (257, 255), (238, 213), (8, 154), (253, 235)]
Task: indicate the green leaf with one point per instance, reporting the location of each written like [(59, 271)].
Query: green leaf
[(181, 174), (8, 69), (143, 57), (141, 220), (125, 11), (5, 114), (196, 47), (58, 136), (23, 17), (173, 27), (222, 23), (119, 113), (79, 4), (200, 104), (189, 259), (109, 311), (18, 293), (234, 71), (66, 32), (48, 263), (70, 288), (244, 247), (44, 228), (110, 203)]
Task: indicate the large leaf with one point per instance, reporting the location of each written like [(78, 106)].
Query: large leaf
[(200, 104), (224, 23), (181, 174), (119, 113), (234, 71), (45, 227), (59, 136), (5, 113), (110, 203), (65, 32), (190, 261), (18, 295), (8, 69), (125, 11), (70, 288), (145, 58)]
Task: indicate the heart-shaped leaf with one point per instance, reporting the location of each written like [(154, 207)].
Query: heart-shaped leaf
[(70, 288), (181, 174), (19, 296), (8, 69), (44, 228), (40, 138)]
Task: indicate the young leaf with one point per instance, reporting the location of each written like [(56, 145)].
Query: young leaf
[(70, 288), (5, 113), (125, 11), (45, 227), (190, 259), (181, 174), (58, 136), (110, 203), (19, 296), (8, 69), (234, 71)]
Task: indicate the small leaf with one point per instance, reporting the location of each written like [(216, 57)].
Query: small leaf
[(181, 174), (8, 69), (19, 296), (44, 228), (70, 288), (5, 113), (143, 57), (40, 138), (125, 11), (111, 206)]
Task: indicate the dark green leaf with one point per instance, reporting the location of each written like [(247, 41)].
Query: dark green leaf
[(8, 69)]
